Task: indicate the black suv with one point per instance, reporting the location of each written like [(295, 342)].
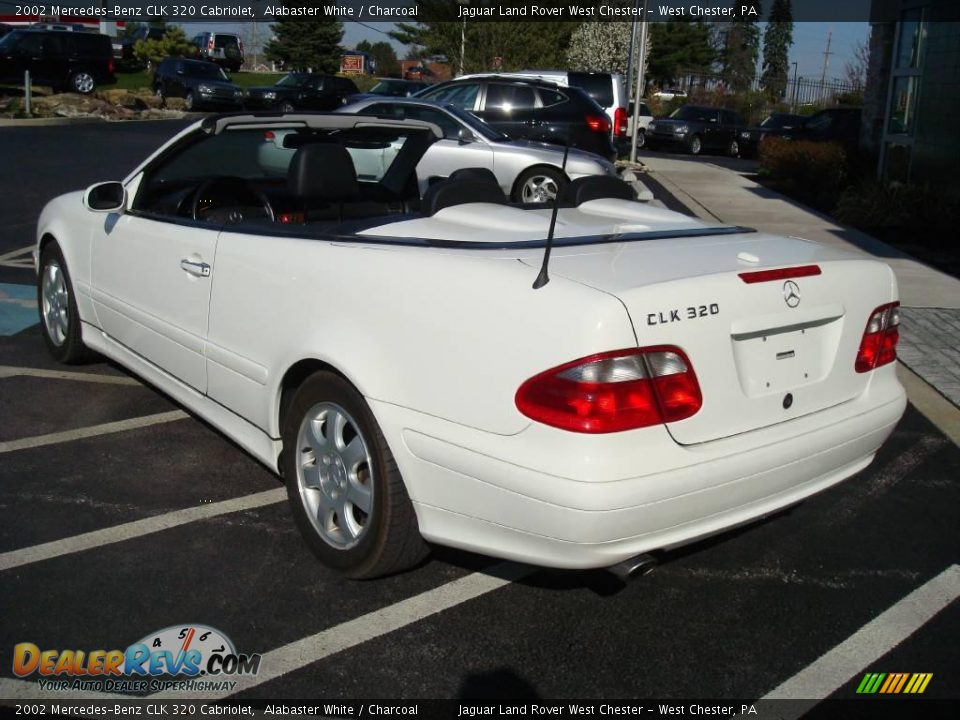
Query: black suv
[(840, 125), (201, 84), (74, 61), (302, 91), (694, 128), (530, 110)]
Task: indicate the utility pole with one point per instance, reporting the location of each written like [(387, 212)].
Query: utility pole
[(826, 59), (632, 54), (641, 71)]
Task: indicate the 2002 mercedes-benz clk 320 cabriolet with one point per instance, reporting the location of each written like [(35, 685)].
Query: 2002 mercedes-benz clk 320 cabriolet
[(388, 355)]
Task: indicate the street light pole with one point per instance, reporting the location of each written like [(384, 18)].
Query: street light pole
[(632, 53), (641, 71), (793, 105)]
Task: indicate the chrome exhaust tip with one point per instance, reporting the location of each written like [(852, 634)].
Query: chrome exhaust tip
[(632, 568)]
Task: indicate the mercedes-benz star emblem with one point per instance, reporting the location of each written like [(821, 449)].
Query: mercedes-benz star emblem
[(791, 293)]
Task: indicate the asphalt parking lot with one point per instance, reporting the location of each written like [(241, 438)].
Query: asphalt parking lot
[(121, 515)]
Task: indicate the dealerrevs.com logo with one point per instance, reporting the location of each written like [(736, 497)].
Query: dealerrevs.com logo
[(160, 661)]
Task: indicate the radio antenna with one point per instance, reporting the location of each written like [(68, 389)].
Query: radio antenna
[(543, 278)]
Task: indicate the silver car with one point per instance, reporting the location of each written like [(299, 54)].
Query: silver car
[(526, 171)]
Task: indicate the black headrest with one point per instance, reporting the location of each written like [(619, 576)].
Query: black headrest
[(475, 173), (322, 171), (458, 192), (594, 187)]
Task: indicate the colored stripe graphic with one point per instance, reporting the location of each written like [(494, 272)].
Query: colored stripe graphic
[(894, 683)]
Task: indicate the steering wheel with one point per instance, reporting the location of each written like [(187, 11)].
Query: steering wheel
[(229, 199)]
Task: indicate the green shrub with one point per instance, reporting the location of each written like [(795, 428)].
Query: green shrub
[(875, 204), (173, 44), (813, 172)]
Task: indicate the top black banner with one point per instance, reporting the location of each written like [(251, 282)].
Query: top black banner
[(188, 11)]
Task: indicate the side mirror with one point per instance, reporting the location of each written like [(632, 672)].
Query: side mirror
[(106, 197), (465, 136)]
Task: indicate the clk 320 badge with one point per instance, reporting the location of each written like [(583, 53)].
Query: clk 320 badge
[(690, 313)]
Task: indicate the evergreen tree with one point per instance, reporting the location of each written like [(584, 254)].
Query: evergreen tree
[(776, 48), (383, 55), (678, 47), (742, 49), (518, 44), (302, 44)]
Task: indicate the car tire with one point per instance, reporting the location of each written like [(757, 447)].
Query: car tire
[(538, 184), (189, 101), (335, 461), (695, 145), (641, 138), (287, 107), (733, 149), (82, 82), (59, 318)]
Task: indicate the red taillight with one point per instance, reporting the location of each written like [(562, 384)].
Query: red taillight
[(614, 391), (241, 47), (880, 337), (269, 136), (598, 123), (620, 122), (110, 66), (759, 276), (210, 44)]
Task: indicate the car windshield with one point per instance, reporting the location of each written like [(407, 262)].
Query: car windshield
[(777, 122), (693, 114), (390, 87), (10, 39), (207, 71), (292, 80), (476, 125)]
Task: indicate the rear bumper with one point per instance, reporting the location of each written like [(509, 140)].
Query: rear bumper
[(548, 498)]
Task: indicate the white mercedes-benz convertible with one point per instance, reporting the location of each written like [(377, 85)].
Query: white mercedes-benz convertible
[(573, 385)]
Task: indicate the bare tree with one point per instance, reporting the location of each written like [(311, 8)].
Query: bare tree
[(856, 68)]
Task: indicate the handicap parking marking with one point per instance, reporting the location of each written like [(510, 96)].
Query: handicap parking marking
[(18, 308)]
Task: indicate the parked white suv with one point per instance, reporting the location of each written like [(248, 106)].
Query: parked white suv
[(645, 118), (607, 89)]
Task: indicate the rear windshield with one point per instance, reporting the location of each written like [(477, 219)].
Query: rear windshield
[(222, 41), (599, 86)]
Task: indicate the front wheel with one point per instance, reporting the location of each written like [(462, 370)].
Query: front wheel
[(189, 101), (641, 138), (733, 150), (287, 107), (82, 82), (343, 484), (695, 145), (538, 185), (60, 320)]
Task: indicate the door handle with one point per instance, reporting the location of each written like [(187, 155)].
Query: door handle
[(200, 269)]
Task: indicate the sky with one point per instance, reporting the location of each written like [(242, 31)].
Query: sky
[(809, 43)]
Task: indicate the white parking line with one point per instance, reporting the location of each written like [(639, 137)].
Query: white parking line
[(300, 653), (91, 431), (12, 371), (22, 258), (874, 640), (137, 528)]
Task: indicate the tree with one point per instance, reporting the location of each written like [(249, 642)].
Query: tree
[(173, 44), (776, 48), (679, 47), (600, 46), (383, 55), (301, 44), (741, 49), (130, 29), (518, 44), (856, 67)]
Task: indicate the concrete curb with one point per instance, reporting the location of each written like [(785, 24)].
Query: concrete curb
[(54, 122)]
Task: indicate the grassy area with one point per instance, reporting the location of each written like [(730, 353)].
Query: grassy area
[(143, 79)]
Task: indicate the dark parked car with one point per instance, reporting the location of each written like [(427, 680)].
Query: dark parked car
[(302, 91), (695, 128), (840, 125), (124, 48), (201, 84), (65, 60), (751, 138), (224, 49), (531, 110), (4, 29)]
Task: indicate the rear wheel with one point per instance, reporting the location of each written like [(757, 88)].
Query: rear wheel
[(344, 487), (641, 138), (695, 145), (60, 320), (539, 184)]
